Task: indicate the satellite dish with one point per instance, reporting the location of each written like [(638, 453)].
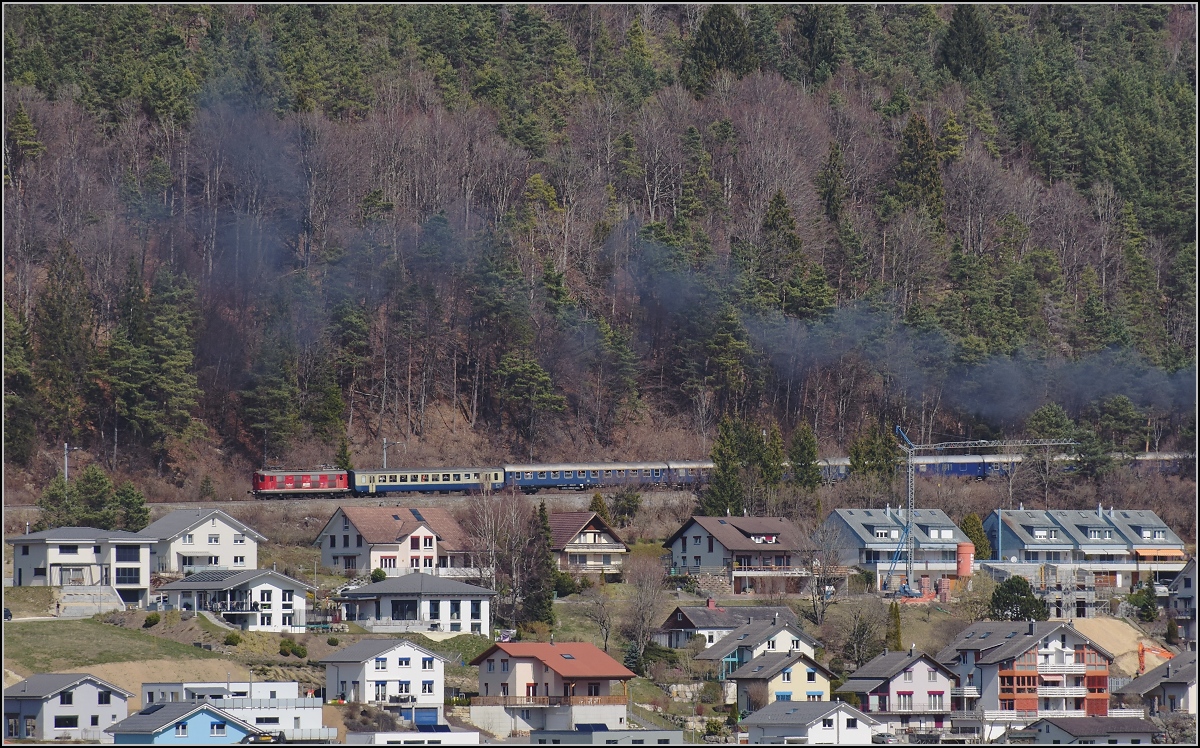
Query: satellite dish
[(1012, 559)]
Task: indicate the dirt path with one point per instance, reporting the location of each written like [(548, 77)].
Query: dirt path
[(1121, 639), (131, 675)]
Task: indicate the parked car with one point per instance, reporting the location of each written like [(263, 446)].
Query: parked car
[(7, 614), (884, 737)]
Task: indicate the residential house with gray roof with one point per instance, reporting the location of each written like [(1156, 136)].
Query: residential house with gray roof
[(1120, 730), (780, 676), (754, 554), (1010, 673), (82, 557), (63, 706), (1181, 603), (754, 638), (810, 723), (257, 600), (1170, 687), (182, 723), (713, 621), (419, 602), (904, 690), (393, 674), (871, 538), (191, 540)]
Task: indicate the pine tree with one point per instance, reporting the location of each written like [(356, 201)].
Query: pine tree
[(61, 329), (269, 404), (723, 494), (538, 604), (23, 144), (343, 460), (172, 386), (135, 515), (721, 43), (20, 403), (806, 473), (972, 526), (59, 505), (950, 140), (96, 496), (894, 638), (918, 180), (874, 454), (771, 461), (967, 49), (526, 391), (1014, 600), (600, 507), (831, 183)]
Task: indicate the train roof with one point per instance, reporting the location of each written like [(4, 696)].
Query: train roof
[(589, 466), (327, 470), (426, 469)]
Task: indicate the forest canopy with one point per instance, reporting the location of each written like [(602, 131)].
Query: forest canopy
[(262, 224)]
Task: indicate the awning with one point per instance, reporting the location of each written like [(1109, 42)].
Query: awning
[(1051, 677), (1159, 553)]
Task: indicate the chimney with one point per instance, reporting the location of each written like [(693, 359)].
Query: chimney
[(1030, 628), (26, 528), (887, 510), (1110, 511), (776, 622), (712, 604), (885, 650), (1021, 506), (1100, 511), (552, 639), (912, 651), (749, 620)]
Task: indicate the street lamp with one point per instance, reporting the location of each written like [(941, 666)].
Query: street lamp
[(67, 450)]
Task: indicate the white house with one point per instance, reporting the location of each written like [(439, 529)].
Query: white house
[(1182, 603), (396, 539), (394, 674), (271, 706), (191, 540), (1170, 687), (258, 600), (419, 602), (903, 690), (63, 706), (217, 691), (809, 722), (526, 686), (1068, 730), (757, 637), (77, 557), (424, 735)]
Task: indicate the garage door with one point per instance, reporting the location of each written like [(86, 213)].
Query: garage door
[(425, 716)]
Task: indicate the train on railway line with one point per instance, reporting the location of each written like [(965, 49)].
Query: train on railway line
[(327, 482)]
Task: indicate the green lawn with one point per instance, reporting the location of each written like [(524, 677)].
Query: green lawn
[(46, 646)]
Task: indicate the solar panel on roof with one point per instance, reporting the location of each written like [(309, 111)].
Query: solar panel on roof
[(433, 728), (721, 521), (152, 709), (591, 727)]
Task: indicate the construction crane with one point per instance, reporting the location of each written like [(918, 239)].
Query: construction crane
[(907, 538), (1143, 649)]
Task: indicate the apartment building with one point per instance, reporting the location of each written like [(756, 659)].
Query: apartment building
[(871, 539), (191, 540), (398, 540), (903, 690), (525, 686), (1010, 673)]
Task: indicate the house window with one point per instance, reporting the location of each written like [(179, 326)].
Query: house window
[(264, 596), (428, 542), (63, 722), (66, 698), (812, 675), (1054, 534), (426, 686), (908, 676), (333, 541), (405, 686), (427, 663), (932, 675), (881, 534), (189, 539), (851, 723), (266, 720), (787, 675), (239, 560), (827, 723), (455, 610), (381, 690), (181, 729), (345, 523), (435, 610), (214, 539), (404, 662), (24, 550), (264, 619), (95, 720), (345, 541), (593, 689), (783, 695), (239, 539), (770, 644), (129, 554), (216, 730), (491, 666), (1160, 535), (68, 550), (429, 562), (503, 666), (381, 663), (214, 560), (1093, 534), (129, 576), (795, 644), (358, 541), (387, 562), (936, 702), (904, 702)]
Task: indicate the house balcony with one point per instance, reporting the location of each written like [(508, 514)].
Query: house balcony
[(970, 692), (1067, 668), (393, 626), (591, 568), (450, 572), (235, 606), (1061, 713), (770, 571), (525, 702), (595, 548), (1138, 713), (1062, 692)]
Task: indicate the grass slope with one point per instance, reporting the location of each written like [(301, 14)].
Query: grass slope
[(46, 646)]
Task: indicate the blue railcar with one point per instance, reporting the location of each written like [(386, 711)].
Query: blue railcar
[(583, 475), (689, 474)]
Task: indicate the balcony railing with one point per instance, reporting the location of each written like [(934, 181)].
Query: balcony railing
[(1061, 713), (970, 692), (595, 548), (236, 606), (388, 625), (1140, 713), (790, 571), (1062, 667), (1063, 692), (533, 701), (921, 708), (454, 572)]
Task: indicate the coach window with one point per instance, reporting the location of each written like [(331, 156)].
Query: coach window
[(607, 473), (554, 474), (445, 477), (404, 479), (424, 477), (528, 475), (541, 474), (457, 477), (595, 473)]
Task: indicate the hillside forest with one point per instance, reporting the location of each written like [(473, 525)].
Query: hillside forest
[(282, 234)]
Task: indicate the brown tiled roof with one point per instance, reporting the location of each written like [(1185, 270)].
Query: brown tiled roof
[(393, 524), (735, 533), (564, 526), (584, 660)]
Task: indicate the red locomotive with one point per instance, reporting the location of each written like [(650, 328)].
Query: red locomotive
[(323, 482)]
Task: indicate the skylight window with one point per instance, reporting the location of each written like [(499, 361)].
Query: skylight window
[(985, 634), (568, 656), (969, 635), (1011, 634)]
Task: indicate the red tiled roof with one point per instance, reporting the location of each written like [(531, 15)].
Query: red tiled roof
[(564, 526), (380, 525), (585, 661)]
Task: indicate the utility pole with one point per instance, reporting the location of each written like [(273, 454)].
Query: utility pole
[(67, 450), (911, 449), (385, 449)]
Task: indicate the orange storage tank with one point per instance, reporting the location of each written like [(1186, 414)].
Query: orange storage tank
[(966, 558)]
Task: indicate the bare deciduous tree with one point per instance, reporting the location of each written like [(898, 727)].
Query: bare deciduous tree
[(862, 634), (644, 577), (600, 609), (826, 543), (499, 528)]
